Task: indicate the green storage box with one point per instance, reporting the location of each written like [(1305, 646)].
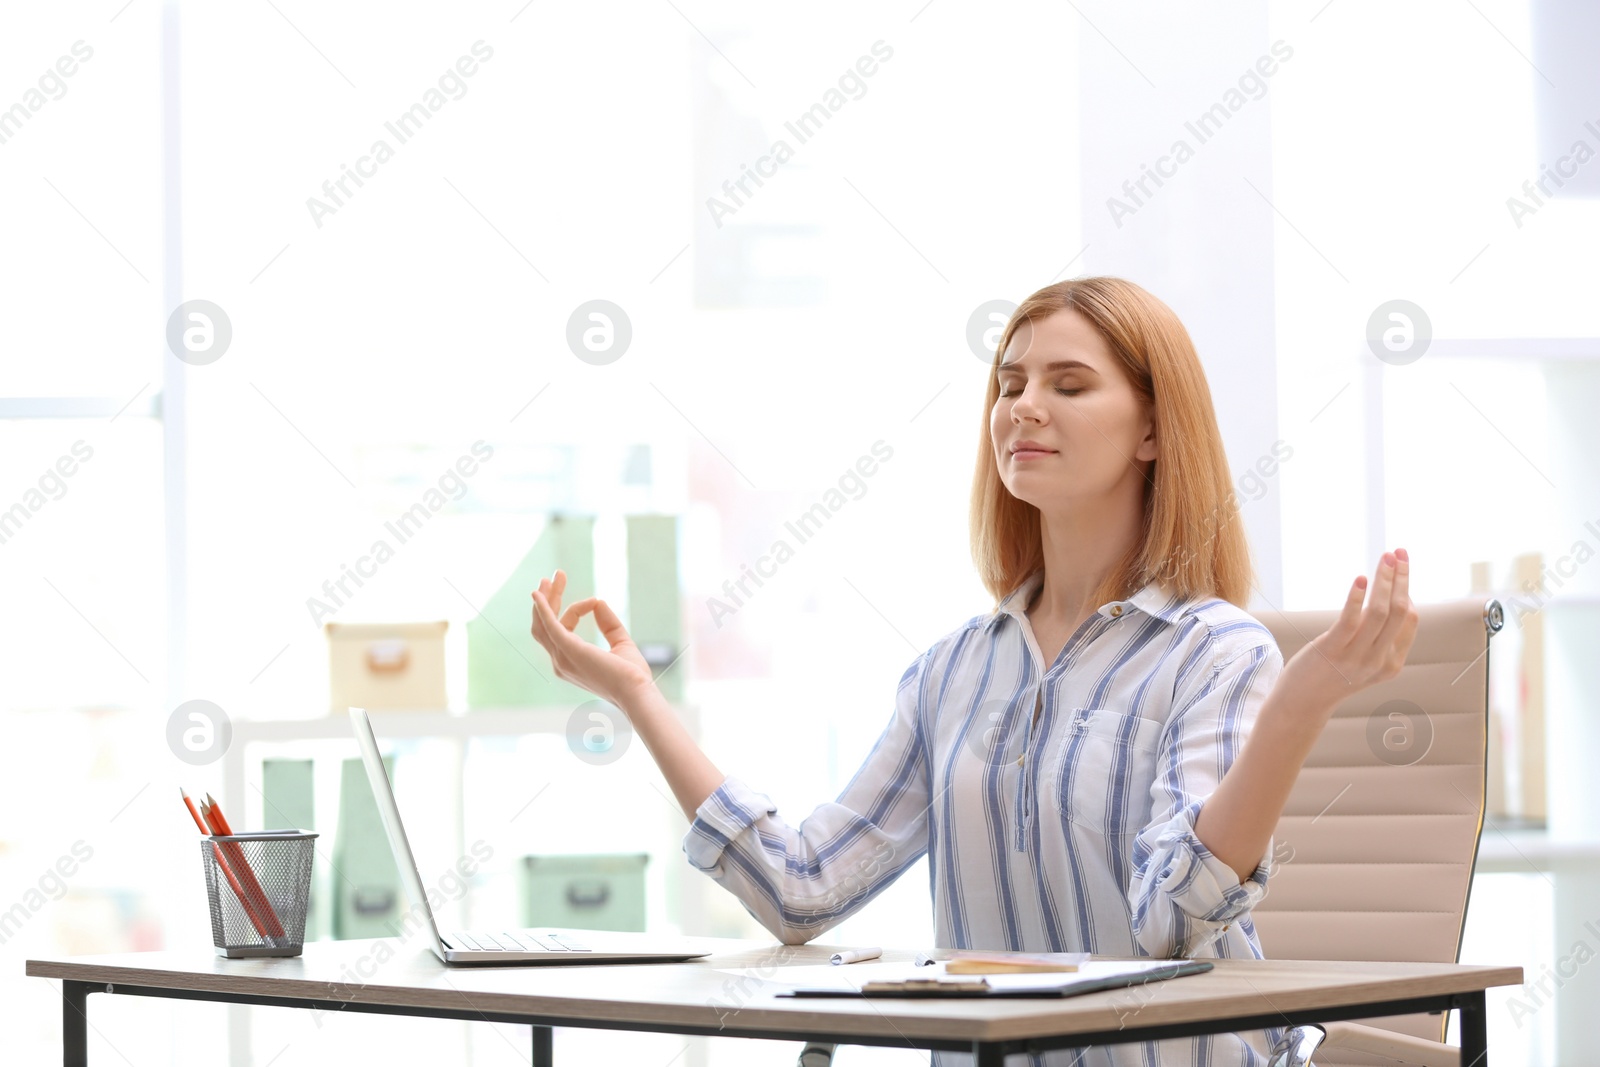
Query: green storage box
[(655, 611), (506, 667), (589, 892), (288, 803), (366, 890)]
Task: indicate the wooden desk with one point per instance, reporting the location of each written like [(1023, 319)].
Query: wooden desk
[(697, 998)]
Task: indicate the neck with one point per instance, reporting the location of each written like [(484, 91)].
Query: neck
[(1082, 547)]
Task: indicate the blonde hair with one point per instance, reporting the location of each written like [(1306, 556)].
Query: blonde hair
[(1191, 539)]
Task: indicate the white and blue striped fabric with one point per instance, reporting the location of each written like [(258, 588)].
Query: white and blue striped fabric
[(1074, 833)]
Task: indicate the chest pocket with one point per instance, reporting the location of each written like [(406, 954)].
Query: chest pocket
[(1101, 768)]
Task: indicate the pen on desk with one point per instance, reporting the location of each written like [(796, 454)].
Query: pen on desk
[(857, 955), (925, 959)]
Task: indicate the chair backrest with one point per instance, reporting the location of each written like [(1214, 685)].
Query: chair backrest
[(1375, 848)]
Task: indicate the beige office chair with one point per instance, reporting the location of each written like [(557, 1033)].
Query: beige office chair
[(1376, 845)]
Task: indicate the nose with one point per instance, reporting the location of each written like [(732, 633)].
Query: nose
[(1023, 406)]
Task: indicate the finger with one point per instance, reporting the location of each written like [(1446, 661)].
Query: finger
[(1374, 618), (1350, 615), (1401, 610), (572, 615), (552, 593), (1402, 575), (537, 626), (610, 626), (546, 619), (1406, 634)]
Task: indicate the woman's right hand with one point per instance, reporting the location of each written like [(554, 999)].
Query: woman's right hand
[(613, 676)]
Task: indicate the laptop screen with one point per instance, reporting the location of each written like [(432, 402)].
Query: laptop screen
[(383, 793)]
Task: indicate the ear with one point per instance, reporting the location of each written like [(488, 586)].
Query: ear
[(1148, 448)]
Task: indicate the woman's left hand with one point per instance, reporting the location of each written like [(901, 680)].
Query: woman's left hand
[(1364, 645)]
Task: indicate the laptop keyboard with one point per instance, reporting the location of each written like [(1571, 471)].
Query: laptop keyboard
[(522, 941)]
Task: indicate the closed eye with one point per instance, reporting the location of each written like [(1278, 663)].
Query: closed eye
[(1063, 392)]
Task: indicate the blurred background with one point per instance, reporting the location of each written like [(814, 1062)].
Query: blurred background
[(329, 331)]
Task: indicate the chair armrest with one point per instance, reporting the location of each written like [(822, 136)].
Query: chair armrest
[(1358, 1037)]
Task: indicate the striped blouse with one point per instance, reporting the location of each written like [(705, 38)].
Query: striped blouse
[(1074, 832)]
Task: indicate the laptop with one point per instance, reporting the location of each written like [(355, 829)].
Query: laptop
[(497, 945)]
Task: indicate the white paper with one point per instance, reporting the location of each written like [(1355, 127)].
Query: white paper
[(852, 976)]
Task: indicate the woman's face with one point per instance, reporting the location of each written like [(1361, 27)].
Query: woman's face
[(1061, 388)]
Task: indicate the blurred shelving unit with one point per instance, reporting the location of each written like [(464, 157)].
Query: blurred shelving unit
[(1561, 843), (1571, 868)]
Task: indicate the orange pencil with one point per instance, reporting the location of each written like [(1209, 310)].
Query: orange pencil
[(246, 875), (227, 871), (233, 879), (189, 803)]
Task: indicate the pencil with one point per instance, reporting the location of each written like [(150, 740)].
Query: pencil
[(189, 803), (219, 824), (233, 879), (968, 962), (227, 871)]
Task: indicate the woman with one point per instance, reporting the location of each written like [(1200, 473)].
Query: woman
[(1098, 764)]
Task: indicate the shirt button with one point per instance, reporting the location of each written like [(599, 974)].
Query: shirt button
[(1116, 609)]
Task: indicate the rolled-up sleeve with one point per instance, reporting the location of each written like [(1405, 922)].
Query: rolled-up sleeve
[(1182, 896), (799, 882)]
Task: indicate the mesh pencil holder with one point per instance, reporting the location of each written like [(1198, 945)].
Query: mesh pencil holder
[(259, 885)]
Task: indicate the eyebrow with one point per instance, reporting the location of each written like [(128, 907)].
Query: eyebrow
[(1060, 364)]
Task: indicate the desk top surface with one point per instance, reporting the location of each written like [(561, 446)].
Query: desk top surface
[(698, 992)]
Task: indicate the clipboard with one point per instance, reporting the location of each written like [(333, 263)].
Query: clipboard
[(1011, 985)]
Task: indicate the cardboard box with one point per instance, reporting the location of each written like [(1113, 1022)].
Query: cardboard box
[(386, 665)]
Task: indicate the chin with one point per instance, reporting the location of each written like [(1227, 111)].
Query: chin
[(1025, 497)]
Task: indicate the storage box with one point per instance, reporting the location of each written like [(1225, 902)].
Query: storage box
[(598, 892), (367, 900), (386, 665), (506, 667)]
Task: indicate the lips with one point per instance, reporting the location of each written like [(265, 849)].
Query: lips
[(1031, 448)]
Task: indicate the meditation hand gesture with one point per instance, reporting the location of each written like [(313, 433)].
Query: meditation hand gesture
[(1363, 646), (612, 676)]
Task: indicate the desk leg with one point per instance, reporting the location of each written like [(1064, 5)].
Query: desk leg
[(1474, 1030), (987, 1054), (74, 1024), (544, 1054)]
